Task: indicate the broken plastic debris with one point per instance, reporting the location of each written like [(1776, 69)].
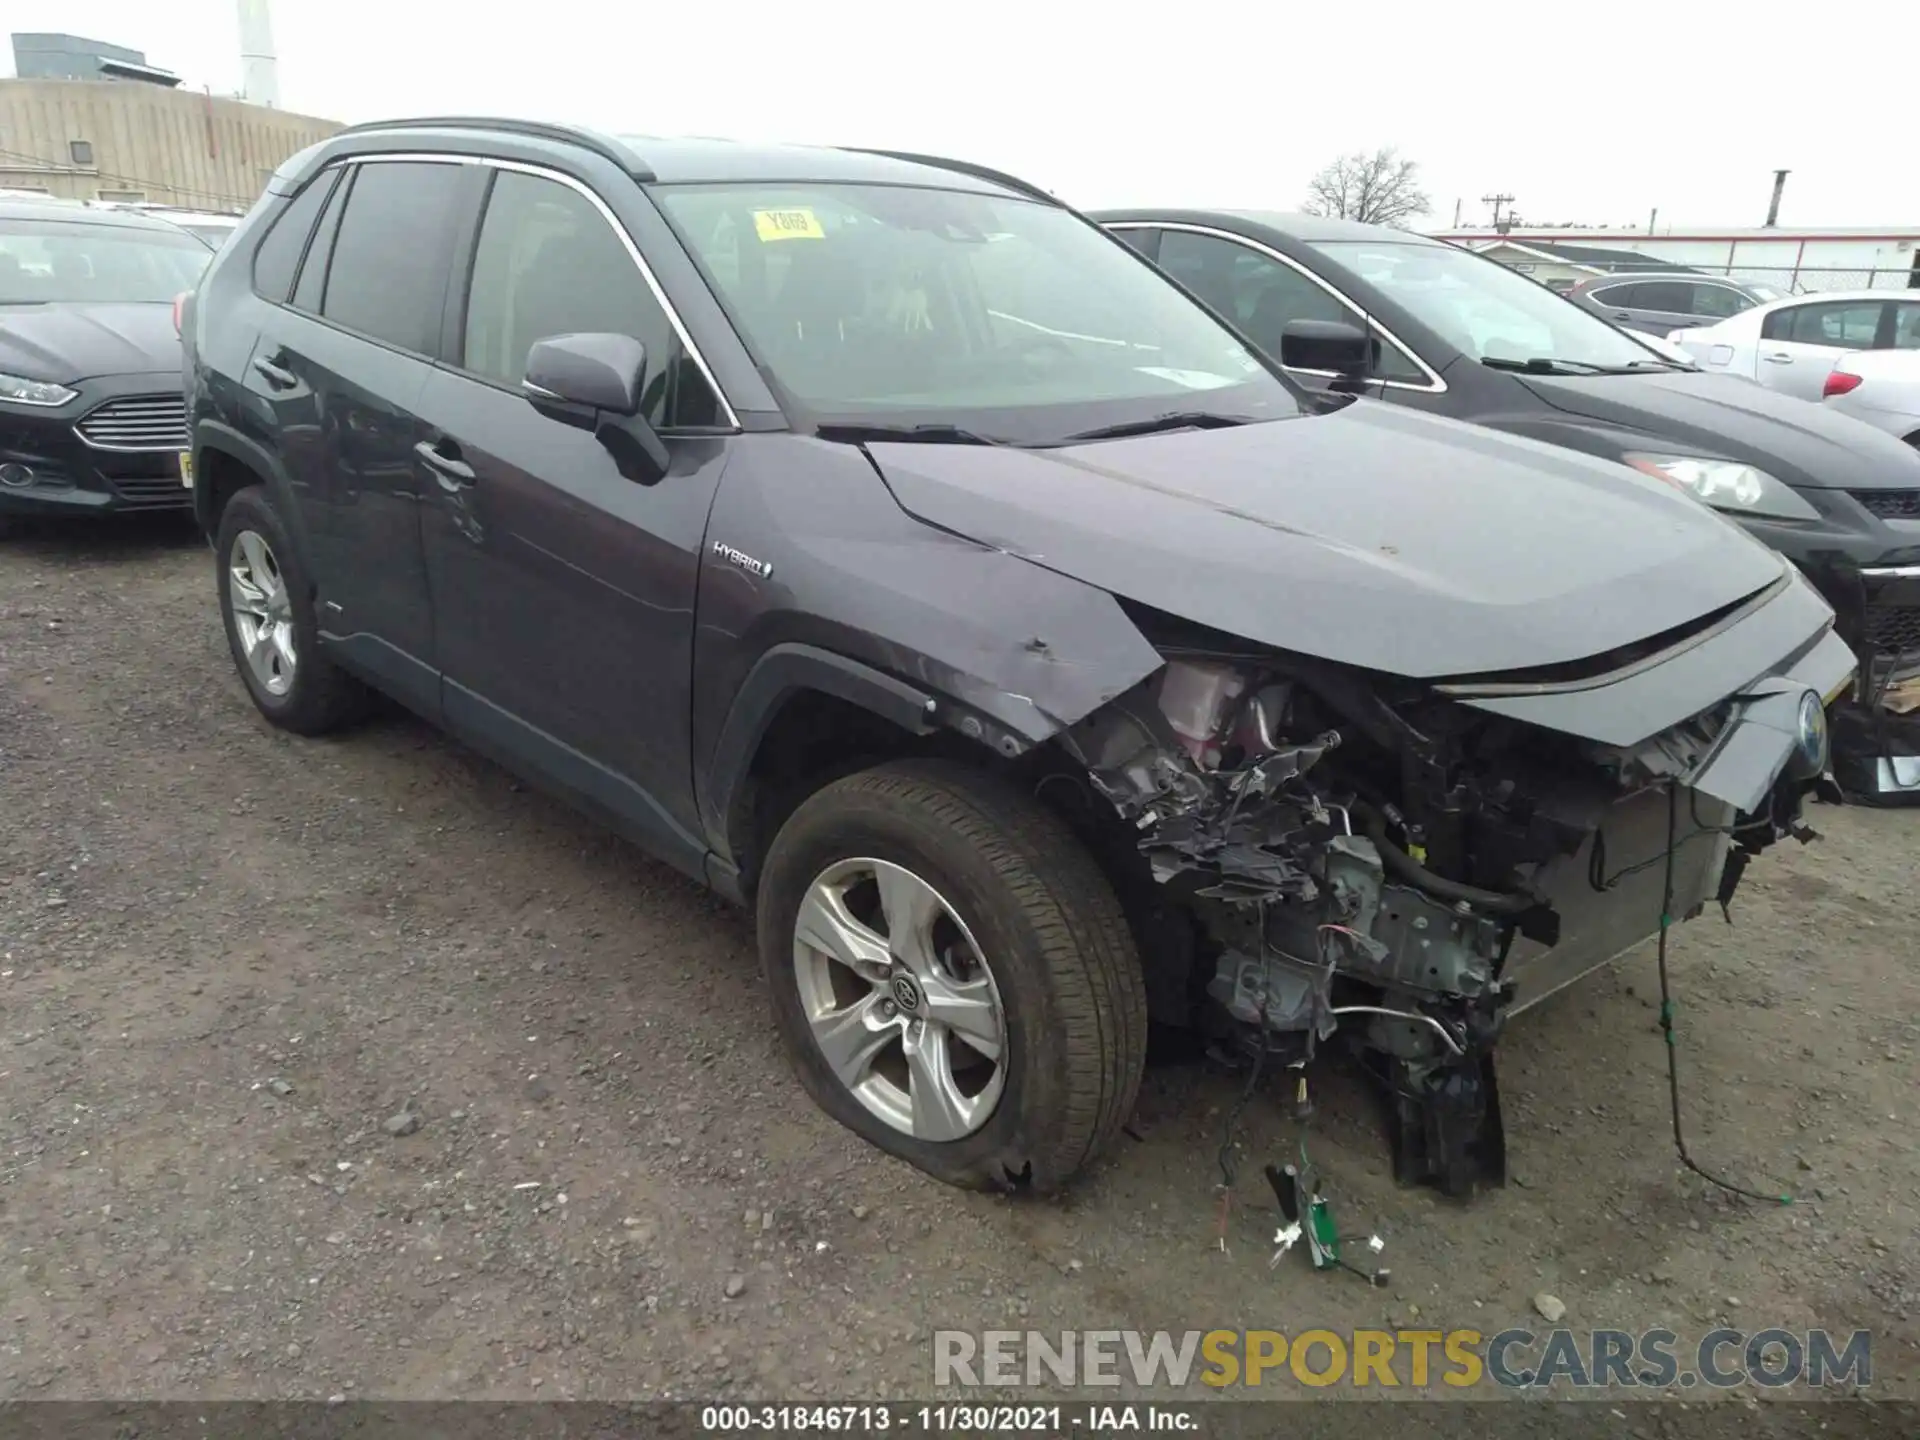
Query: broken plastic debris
[(528, 1185), (1286, 1240), (1376, 1244)]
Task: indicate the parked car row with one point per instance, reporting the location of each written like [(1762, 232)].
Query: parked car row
[(1435, 327), (1044, 634), (1792, 345)]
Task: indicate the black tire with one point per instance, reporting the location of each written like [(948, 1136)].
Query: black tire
[(322, 697), (1055, 938)]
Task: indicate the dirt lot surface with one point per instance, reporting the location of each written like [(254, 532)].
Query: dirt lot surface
[(228, 958)]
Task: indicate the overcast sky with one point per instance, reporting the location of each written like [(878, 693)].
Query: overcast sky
[(1216, 102)]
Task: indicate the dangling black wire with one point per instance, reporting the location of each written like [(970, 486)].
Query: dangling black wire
[(1666, 1019)]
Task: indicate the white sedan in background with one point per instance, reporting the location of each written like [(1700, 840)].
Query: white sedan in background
[(1791, 345), (1881, 387)]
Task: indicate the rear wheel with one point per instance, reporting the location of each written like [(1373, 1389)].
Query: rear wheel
[(952, 975), (267, 605)]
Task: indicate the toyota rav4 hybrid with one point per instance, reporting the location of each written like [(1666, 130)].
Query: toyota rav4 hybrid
[(880, 542)]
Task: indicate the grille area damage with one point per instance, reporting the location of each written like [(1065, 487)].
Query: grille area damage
[(1393, 871)]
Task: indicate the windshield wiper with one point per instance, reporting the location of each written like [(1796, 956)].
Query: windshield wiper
[(1545, 365), (859, 432), (1173, 420)]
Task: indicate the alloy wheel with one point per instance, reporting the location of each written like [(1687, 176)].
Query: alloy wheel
[(262, 612), (900, 999)]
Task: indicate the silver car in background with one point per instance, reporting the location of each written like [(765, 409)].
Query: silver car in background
[(1881, 387)]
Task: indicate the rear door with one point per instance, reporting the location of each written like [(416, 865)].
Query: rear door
[(1800, 343), (343, 365), (1660, 306), (1620, 304), (564, 589)]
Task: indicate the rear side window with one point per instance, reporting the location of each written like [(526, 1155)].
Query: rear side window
[(547, 263), (278, 255), (1620, 297), (388, 275), (309, 289), (1145, 241)]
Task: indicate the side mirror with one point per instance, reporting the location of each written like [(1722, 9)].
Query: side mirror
[(1333, 345), (593, 381), (586, 372)]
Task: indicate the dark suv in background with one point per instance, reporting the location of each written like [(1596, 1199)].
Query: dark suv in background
[(1417, 322), (881, 542)]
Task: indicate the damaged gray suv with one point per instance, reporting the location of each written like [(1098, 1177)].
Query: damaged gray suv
[(881, 543)]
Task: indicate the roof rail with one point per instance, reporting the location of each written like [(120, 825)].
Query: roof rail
[(962, 167), (535, 129)]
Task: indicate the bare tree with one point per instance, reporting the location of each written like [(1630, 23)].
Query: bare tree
[(1379, 189)]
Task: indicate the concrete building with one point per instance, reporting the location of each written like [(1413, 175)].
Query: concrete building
[(124, 130), (1875, 258), (69, 57)]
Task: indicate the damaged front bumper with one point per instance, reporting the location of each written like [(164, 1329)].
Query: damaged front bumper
[(1409, 865), (1877, 735)]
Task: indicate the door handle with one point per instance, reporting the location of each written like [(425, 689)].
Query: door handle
[(443, 464), (1778, 357), (1621, 315), (278, 376)]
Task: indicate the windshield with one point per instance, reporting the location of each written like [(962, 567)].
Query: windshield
[(886, 304), (1487, 310), (63, 262)]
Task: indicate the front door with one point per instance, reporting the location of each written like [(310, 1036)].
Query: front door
[(564, 589)]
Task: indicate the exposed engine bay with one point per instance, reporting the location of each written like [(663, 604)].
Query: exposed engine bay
[(1370, 861)]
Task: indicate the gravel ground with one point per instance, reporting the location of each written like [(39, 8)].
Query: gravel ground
[(233, 964)]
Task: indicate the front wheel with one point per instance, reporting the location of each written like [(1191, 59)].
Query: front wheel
[(952, 975)]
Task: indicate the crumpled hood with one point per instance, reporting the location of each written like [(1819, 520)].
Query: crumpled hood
[(63, 343), (1802, 443), (1375, 536)]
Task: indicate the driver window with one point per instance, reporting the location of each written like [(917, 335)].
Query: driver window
[(549, 263), (1717, 302), (1260, 295)]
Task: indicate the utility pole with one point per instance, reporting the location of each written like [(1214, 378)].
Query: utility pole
[(1456, 213), (1653, 219), (1500, 223), (1773, 208)]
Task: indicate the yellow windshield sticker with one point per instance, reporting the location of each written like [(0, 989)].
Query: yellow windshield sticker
[(787, 225)]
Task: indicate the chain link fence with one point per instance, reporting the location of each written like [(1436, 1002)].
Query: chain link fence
[(1787, 279)]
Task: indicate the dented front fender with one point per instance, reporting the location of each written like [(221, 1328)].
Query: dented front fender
[(1009, 651)]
